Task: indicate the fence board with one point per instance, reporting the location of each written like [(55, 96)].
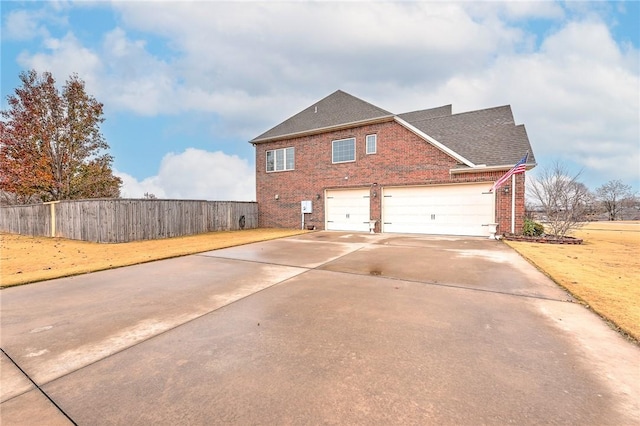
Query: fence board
[(124, 220), (33, 221)]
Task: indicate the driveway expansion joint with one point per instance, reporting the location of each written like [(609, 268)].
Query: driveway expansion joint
[(321, 267), (452, 285), (260, 262), (154, 336), (36, 386)]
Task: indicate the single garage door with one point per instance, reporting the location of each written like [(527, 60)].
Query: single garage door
[(347, 209), (444, 210)]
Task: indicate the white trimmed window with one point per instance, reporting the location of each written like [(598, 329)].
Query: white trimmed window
[(343, 150), (372, 144), (279, 160)]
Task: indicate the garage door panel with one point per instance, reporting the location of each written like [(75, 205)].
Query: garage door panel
[(445, 210), (347, 210)]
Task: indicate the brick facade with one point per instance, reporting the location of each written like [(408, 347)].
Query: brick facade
[(402, 158)]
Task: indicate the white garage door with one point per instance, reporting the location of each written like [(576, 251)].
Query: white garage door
[(444, 210), (347, 209)]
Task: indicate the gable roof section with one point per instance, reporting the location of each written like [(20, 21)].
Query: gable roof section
[(336, 110), (486, 137)]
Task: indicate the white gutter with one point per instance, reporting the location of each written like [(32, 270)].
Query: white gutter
[(483, 168)]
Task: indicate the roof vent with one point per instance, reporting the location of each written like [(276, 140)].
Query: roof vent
[(316, 110)]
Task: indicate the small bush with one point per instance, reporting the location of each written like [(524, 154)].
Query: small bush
[(532, 229)]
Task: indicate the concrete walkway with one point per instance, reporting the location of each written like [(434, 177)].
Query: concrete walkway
[(326, 327)]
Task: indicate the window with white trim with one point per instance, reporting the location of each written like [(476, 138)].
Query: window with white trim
[(372, 144), (279, 160), (343, 150)]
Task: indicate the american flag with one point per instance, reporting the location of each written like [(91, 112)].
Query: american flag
[(520, 167)]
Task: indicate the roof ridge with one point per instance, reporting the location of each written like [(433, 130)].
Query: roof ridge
[(362, 100), (474, 112), (426, 109), (508, 106), (336, 109)]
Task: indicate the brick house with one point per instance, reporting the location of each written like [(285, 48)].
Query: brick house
[(348, 162)]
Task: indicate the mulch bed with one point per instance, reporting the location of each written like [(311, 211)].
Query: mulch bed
[(544, 239)]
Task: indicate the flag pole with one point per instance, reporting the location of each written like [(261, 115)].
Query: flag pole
[(513, 204), (519, 167), (513, 195)]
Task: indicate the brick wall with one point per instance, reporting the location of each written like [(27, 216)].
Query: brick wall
[(402, 158), (503, 205)]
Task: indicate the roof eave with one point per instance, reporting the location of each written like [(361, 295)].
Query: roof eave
[(483, 168), (324, 129)]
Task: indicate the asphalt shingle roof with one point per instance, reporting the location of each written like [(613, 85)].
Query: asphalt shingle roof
[(426, 114), (488, 136), (337, 109)]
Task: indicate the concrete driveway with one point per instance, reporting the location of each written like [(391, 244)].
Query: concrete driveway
[(323, 328)]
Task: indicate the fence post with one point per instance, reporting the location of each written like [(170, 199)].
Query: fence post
[(52, 208)]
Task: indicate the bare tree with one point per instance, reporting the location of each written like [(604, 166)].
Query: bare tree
[(564, 200), (614, 196)]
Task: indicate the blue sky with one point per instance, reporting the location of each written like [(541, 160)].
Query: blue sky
[(186, 85)]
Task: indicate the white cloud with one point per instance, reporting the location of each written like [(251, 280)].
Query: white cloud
[(64, 57), (120, 73), (580, 100), (577, 96), (196, 174), (521, 10), (240, 61), (134, 79), (252, 65), (132, 188), (22, 25)]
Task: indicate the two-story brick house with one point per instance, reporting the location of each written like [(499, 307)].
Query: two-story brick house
[(426, 171)]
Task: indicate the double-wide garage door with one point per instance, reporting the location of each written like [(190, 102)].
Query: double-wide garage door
[(444, 210), (463, 209)]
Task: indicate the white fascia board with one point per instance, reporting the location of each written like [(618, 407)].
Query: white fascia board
[(434, 142), (483, 168)]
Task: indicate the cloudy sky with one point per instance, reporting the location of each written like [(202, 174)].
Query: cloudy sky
[(186, 85)]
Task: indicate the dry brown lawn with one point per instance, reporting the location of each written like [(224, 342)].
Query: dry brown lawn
[(29, 259), (603, 272)]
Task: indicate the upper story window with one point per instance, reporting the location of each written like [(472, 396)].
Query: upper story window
[(343, 150), (372, 144), (279, 160)]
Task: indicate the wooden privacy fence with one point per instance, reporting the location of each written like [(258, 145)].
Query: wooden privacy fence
[(124, 220)]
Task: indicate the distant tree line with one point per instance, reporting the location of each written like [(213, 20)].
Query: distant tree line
[(51, 147)]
